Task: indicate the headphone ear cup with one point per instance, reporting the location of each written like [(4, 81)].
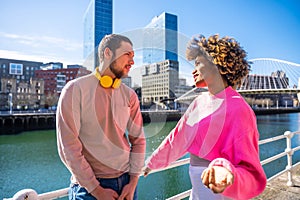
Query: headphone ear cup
[(117, 82), (106, 81)]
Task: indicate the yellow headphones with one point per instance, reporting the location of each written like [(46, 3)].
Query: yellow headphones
[(107, 81)]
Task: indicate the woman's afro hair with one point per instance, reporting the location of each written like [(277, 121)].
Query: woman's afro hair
[(226, 53)]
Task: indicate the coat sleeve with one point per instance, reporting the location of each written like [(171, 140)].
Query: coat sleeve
[(68, 142), (242, 159)]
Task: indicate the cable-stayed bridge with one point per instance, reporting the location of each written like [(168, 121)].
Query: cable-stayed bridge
[(268, 76)]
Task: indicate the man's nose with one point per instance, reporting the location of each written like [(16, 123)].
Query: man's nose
[(131, 61)]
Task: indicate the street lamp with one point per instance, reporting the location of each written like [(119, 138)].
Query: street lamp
[(10, 102), (37, 102), (9, 86)]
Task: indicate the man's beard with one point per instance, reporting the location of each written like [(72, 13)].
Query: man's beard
[(118, 73)]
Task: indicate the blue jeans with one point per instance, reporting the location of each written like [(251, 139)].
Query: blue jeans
[(76, 192)]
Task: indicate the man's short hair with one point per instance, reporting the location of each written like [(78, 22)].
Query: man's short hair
[(113, 42)]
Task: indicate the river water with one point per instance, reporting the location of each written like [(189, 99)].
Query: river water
[(30, 159)]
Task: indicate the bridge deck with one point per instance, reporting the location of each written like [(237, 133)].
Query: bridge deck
[(277, 189)]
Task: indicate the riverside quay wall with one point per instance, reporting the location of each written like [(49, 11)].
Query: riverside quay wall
[(19, 122), (13, 123)]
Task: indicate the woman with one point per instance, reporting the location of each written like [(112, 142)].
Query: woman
[(219, 128)]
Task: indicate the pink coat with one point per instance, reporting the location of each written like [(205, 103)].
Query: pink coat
[(223, 130)]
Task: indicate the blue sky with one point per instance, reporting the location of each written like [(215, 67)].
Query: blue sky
[(53, 30)]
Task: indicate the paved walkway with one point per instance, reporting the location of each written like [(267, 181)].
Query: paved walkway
[(278, 190)]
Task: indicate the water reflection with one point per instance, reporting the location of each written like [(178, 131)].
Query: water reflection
[(274, 125)]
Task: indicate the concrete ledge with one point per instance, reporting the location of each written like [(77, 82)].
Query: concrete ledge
[(278, 190)]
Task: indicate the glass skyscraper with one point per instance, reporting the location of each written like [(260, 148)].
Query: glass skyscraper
[(98, 20), (160, 41), (160, 72)]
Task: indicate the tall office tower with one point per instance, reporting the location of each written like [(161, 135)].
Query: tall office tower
[(160, 72), (97, 23), (160, 39)]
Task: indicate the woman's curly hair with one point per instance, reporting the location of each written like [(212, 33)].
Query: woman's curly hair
[(226, 53)]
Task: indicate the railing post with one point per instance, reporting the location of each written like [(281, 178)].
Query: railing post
[(290, 152)]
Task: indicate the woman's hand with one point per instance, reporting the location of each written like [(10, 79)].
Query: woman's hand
[(146, 171), (217, 178)]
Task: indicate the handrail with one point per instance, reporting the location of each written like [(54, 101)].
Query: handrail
[(288, 152), (54, 194), (64, 192), (181, 195)]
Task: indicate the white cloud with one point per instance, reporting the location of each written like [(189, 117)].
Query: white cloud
[(42, 41)]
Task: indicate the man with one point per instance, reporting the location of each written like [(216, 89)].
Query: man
[(100, 128)]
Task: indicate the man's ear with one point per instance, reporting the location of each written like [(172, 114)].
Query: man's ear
[(108, 53)]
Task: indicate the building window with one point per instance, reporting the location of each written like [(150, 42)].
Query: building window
[(16, 69)]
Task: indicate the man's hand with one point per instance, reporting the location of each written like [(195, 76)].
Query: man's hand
[(105, 194), (217, 178), (127, 192), (146, 171), (129, 189)]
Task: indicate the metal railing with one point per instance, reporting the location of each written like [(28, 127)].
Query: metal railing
[(289, 151)]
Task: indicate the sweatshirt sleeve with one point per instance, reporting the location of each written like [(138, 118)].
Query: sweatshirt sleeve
[(175, 145), (69, 144), (136, 137), (242, 159)]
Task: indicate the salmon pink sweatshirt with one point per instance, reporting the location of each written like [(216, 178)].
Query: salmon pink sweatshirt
[(222, 129), (99, 131)]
